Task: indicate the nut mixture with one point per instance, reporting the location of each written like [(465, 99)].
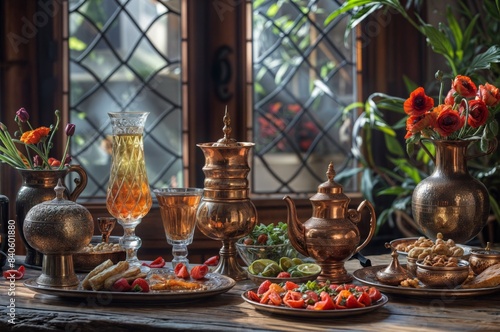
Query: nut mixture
[(102, 247), (440, 260), (424, 247), (411, 283)]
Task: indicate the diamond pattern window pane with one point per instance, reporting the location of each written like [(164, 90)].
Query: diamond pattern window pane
[(125, 56), (303, 78)]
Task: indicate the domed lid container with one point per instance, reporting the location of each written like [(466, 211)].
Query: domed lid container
[(58, 228), (481, 259)]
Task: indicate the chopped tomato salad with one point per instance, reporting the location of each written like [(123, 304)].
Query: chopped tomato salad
[(315, 295)]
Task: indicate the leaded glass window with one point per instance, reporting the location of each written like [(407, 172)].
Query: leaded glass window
[(124, 55), (304, 76)]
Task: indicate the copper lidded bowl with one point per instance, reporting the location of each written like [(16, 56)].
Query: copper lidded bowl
[(481, 259), (442, 276)]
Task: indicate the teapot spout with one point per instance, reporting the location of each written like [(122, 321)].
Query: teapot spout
[(295, 228)]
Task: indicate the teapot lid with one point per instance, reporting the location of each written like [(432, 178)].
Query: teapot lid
[(330, 188)]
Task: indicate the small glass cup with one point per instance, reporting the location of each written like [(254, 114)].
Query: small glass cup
[(178, 208)]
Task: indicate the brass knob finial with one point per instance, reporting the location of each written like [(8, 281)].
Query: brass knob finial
[(226, 140), (330, 173)]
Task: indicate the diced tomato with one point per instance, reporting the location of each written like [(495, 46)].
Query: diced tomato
[(212, 261), (374, 294), (283, 274), (341, 298), (290, 285), (253, 296), (293, 299), (199, 271), (181, 271), (158, 263), (12, 274), (276, 287), (326, 302), (264, 287), (352, 302), (310, 297), (121, 285), (365, 298), (275, 297), (140, 285)]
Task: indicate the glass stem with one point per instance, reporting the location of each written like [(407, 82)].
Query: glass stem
[(131, 243), (180, 252)]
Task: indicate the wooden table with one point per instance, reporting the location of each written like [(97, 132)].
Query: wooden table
[(228, 312)]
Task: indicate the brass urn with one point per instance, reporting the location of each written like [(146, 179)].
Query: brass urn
[(331, 235), (225, 212), (58, 228)]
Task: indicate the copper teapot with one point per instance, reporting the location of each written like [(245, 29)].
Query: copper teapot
[(331, 235)]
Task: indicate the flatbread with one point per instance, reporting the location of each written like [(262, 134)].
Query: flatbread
[(97, 281), (486, 279), (131, 272), (99, 268)]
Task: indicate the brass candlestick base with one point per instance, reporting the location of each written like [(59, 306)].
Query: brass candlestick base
[(225, 212), (335, 272), (58, 270)]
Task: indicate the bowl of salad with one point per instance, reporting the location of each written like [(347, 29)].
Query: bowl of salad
[(266, 242)]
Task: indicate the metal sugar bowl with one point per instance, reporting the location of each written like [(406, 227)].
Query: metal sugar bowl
[(225, 212), (58, 228), (331, 235)]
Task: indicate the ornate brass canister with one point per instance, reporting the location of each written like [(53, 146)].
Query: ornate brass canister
[(330, 236), (58, 228), (225, 212)]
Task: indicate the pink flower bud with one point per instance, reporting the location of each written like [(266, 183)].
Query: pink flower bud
[(22, 115), (70, 129), (37, 161)]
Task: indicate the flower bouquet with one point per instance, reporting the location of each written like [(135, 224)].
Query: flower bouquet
[(30, 149), (466, 113)]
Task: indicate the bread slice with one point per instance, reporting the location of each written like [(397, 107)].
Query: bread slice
[(97, 281), (99, 268), (486, 279)]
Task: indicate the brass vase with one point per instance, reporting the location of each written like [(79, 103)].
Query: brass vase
[(450, 201), (37, 187)]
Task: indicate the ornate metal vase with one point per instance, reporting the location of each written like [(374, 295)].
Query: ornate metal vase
[(450, 201), (37, 187), (225, 212)]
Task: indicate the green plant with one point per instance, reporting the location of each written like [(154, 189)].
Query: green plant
[(467, 51)]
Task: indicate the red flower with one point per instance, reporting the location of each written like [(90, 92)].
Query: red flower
[(478, 113), (418, 103), (417, 123), (489, 93), (464, 86), (450, 98), (448, 120)]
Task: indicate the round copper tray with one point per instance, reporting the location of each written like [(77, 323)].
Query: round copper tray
[(367, 276)]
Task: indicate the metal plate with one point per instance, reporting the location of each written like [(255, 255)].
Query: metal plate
[(283, 310), (214, 283), (367, 276)]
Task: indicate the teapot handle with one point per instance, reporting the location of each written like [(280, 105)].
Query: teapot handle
[(373, 223), (80, 181)]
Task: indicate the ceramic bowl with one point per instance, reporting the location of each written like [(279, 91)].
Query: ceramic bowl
[(481, 259), (441, 276)]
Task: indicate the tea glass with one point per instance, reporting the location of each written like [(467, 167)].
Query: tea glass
[(178, 208)]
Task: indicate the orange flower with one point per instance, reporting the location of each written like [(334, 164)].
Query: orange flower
[(418, 103), (478, 113), (464, 86), (34, 136), (417, 123), (448, 120), (53, 162), (489, 93)]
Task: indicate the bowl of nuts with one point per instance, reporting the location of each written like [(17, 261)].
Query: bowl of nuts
[(97, 252), (439, 271)]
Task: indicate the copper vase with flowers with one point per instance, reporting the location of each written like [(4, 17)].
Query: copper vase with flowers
[(28, 151), (461, 127)]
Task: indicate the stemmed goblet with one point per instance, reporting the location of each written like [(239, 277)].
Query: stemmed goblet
[(178, 208), (128, 197)]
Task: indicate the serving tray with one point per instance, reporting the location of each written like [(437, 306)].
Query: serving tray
[(367, 276)]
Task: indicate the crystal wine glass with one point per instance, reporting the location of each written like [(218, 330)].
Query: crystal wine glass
[(178, 208), (128, 196)]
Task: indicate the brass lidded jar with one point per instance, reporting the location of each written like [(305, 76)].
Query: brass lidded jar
[(225, 212), (58, 228)]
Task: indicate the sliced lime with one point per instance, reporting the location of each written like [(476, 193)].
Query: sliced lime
[(297, 261), (259, 265), (286, 263), (272, 270), (308, 269)]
